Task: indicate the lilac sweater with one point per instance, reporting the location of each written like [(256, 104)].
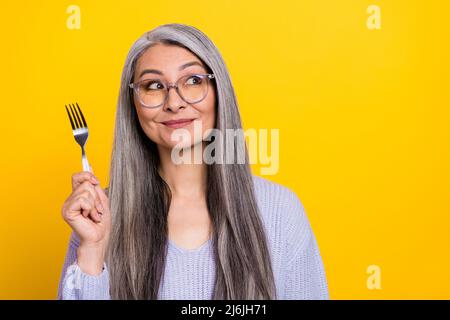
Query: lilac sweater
[(189, 274)]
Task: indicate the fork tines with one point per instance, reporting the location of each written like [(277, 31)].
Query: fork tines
[(76, 117)]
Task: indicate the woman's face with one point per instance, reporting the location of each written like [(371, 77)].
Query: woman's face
[(165, 62)]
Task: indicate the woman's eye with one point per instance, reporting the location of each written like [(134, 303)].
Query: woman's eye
[(193, 80), (154, 85)]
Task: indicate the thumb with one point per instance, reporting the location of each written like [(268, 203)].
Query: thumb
[(102, 195)]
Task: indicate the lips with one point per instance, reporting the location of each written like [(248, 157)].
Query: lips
[(177, 123)]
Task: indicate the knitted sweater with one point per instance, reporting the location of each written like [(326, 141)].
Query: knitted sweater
[(189, 274)]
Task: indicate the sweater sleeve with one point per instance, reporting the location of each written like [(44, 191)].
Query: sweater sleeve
[(305, 274), (74, 284)]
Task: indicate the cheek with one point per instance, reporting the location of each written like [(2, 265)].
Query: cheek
[(146, 119)]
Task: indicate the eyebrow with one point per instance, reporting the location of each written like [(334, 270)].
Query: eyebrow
[(184, 66)]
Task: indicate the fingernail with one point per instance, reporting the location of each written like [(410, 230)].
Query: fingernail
[(95, 180)]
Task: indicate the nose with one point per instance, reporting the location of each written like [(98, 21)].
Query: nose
[(174, 101)]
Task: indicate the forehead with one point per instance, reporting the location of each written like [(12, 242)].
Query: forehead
[(165, 58)]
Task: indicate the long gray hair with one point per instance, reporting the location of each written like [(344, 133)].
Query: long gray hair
[(140, 198)]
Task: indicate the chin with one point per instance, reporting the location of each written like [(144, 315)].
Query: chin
[(182, 145)]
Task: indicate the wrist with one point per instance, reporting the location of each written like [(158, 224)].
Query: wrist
[(91, 258)]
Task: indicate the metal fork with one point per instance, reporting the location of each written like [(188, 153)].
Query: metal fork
[(80, 132)]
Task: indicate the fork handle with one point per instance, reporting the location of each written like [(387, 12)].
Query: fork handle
[(84, 161)]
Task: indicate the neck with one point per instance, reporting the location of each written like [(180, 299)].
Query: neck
[(184, 180)]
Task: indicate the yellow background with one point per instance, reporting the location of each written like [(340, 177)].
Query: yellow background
[(363, 116)]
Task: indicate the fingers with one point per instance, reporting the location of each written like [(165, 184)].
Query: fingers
[(76, 206), (87, 206), (87, 193), (80, 177), (91, 197), (88, 187)]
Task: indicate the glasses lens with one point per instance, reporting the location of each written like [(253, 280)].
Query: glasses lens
[(151, 92), (193, 88)]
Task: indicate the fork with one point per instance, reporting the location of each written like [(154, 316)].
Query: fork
[(80, 131)]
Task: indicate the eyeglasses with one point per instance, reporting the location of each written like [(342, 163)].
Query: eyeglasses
[(153, 93)]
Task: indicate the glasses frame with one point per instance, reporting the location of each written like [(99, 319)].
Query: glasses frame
[(208, 76)]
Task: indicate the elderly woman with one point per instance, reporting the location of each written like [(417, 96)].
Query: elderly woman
[(190, 230)]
